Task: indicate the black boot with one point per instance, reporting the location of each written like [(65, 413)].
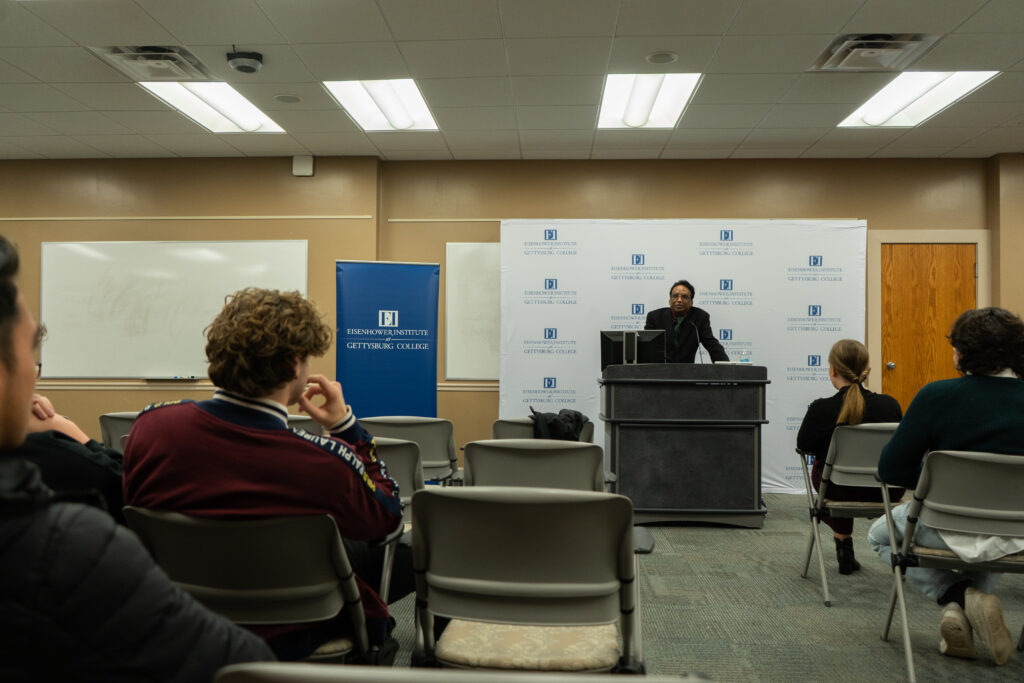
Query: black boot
[(848, 564)]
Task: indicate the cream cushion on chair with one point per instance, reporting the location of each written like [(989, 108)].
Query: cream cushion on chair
[(539, 648)]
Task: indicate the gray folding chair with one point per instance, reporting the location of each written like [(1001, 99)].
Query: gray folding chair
[(553, 566), (401, 458), (967, 492), (535, 462), (852, 460), (305, 422), (522, 428), (435, 436), (115, 426), (282, 672), (278, 570)]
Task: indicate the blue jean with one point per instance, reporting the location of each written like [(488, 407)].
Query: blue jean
[(932, 582)]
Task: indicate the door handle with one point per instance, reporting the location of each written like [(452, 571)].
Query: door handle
[(890, 366)]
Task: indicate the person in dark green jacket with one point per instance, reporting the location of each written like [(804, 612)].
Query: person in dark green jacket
[(981, 411)]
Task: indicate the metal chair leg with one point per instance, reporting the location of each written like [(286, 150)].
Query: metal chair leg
[(907, 649), (821, 567)]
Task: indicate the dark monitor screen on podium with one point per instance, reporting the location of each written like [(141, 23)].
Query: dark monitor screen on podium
[(626, 347)]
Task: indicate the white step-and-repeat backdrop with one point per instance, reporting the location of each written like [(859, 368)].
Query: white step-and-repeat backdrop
[(784, 290)]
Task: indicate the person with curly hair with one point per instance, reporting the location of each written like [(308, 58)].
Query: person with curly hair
[(983, 410), (235, 456), (852, 404)]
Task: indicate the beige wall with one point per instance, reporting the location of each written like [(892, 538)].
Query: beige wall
[(357, 208)]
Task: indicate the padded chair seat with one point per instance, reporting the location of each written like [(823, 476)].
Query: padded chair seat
[(337, 646), (1016, 558), (538, 648), (855, 505)]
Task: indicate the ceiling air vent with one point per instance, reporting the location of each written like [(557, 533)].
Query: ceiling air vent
[(154, 62), (873, 52)]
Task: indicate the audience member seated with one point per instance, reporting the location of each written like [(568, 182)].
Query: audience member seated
[(80, 598), (235, 457), (848, 369), (981, 411), (70, 462)]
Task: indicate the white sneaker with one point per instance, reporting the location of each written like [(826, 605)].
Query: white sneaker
[(985, 613), (957, 636)]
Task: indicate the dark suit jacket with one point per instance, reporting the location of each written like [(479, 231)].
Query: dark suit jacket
[(696, 327)]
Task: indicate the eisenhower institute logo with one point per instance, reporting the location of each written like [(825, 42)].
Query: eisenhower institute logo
[(811, 371), (386, 336), (634, 320), (728, 294), (726, 245), (550, 245), (815, 271), (814, 321), (548, 393), (549, 344), (550, 294), (637, 270)]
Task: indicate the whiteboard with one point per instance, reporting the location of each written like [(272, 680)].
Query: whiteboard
[(138, 309), (472, 310)]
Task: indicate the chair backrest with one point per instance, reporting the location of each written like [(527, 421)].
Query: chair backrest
[(435, 436), (277, 570), (401, 458), (525, 555), (305, 422), (113, 426), (854, 451), (281, 672), (535, 462), (522, 428), (972, 492)]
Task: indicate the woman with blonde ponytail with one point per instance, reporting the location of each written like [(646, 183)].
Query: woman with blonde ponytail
[(848, 368)]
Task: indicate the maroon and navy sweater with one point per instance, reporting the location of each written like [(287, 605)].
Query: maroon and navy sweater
[(236, 458)]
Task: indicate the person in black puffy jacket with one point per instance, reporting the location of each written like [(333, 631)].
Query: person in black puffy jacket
[(80, 598)]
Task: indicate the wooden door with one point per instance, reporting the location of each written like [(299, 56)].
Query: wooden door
[(924, 288)]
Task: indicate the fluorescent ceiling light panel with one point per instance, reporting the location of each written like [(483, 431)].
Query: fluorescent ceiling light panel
[(214, 105), (645, 100), (383, 105), (913, 97)]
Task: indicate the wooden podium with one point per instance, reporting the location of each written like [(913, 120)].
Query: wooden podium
[(685, 440)]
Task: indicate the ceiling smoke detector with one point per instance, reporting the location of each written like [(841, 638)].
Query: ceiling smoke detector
[(873, 52)]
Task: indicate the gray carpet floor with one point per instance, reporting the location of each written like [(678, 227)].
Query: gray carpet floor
[(730, 603)]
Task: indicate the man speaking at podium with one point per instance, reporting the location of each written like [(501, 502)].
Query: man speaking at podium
[(685, 327)]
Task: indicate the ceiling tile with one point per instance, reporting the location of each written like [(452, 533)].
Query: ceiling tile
[(280, 65), (543, 18), (102, 22), (743, 88), (707, 137), (125, 146), (36, 97), (441, 19), (911, 153), (59, 147), (554, 140), (934, 137), (556, 56), (79, 123), (792, 16), (483, 155), (315, 121), (768, 54), (337, 144), (62, 65), (12, 74), (806, 115), (19, 27), (266, 145), (492, 140), (475, 118), (120, 96), (976, 115), (629, 54), (723, 115), (606, 139), (17, 124), (819, 88), (9, 149), (742, 152), (313, 96), (417, 155), (971, 52), (156, 122), (198, 22), (711, 152), (1006, 87), (867, 138), (691, 17), (911, 16), (556, 154), (455, 58), (466, 92), (997, 16), (625, 153), (557, 90), (557, 118), (820, 151), (327, 21), (203, 145), (408, 141), (1008, 138), (353, 61), (784, 137)]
